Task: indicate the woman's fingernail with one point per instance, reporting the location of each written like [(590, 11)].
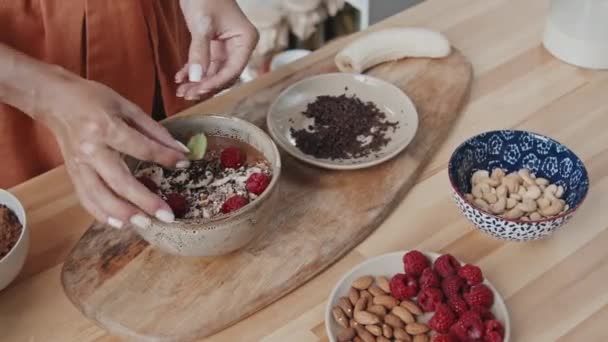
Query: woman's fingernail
[(183, 164), (203, 91), (195, 72), (165, 215), (192, 98), (140, 220), (183, 147), (116, 223)]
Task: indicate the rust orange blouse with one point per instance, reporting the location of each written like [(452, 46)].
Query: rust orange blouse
[(129, 45)]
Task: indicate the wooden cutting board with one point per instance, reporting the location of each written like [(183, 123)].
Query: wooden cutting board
[(126, 286)]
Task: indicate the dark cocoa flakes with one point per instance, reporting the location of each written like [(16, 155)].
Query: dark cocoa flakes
[(10, 230), (344, 127)]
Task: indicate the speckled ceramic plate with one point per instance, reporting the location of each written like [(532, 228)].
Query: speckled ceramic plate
[(388, 265), (285, 113)]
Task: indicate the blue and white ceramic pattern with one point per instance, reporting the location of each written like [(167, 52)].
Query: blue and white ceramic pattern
[(513, 150)]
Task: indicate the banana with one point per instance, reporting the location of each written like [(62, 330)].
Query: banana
[(389, 45)]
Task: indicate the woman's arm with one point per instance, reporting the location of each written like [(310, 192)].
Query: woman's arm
[(93, 125)]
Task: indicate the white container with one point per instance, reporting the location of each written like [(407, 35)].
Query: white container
[(12, 263), (577, 32), (287, 57)]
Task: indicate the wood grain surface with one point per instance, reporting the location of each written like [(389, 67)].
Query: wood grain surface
[(555, 289), (135, 290)]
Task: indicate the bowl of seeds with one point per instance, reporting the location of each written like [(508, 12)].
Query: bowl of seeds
[(14, 238)]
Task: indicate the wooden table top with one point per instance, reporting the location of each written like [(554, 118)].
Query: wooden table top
[(555, 288)]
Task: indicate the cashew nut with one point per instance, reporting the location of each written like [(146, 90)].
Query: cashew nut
[(514, 214), (498, 174), (525, 175), (527, 205), (535, 216), (550, 191), (521, 191), (499, 206), (511, 183), (469, 197), (480, 189), (543, 202), (490, 197), (524, 218), (559, 192), (501, 190), (555, 208), (482, 204), (516, 197), (478, 176), (533, 192), (542, 181), (511, 203)]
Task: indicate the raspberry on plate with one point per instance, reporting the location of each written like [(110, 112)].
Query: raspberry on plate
[(446, 265), (458, 305), (234, 203), (484, 312), (468, 327), (492, 336), (232, 157), (414, 262), (148, 183), (429, 278), (403, 286), (429, 297), (494, 326), (444, 338), (480, 295), (471, 273), (443, 318), (178, 204), (257, 183), (453, 286)]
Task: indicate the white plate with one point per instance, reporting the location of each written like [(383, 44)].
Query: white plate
[(388, 265), (286, 113)]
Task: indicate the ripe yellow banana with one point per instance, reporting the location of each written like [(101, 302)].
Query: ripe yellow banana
[(389, 45)]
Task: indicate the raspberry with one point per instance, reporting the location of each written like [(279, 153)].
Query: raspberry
[(443, 318), (403, 286), (429, 298), (444, 338), (148, 183), (429, 279), (257, 183), (234, 203), (472, 274), (414, 262), (446, 265), (479, 295), (232, 158), (494, 326), (178, 204), (452, 286), (484, 312), (492, 336), (458, 305), (468, 327)]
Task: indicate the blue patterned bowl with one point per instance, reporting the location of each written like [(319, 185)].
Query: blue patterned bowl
[(513, 150)]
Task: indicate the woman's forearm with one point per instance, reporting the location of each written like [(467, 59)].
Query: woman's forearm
[(26, 83)]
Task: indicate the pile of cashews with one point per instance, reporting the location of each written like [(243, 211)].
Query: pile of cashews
[(517, 195)]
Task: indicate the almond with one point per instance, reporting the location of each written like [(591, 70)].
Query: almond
[(411, 307), (393, 321), (357, 339), (367, 295), (353, 295), (352, 323), (365, 318), (382, 339), (416, 328), (339, 316), (363, 283), (401, 334), (383, 284), (387, 331), (346, 334), (346, 306), (403, 314), (376, 291), (374, 329), (421, 338), (361, 304), (386, 301), (365, 335), (377, 310)]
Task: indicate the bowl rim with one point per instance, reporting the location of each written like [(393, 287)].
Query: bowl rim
[(329, 164), (217, 222), (399, 254), (547, 219), (8, 194)]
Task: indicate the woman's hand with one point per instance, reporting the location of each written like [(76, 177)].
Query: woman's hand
[(94, 125), (222, 42)]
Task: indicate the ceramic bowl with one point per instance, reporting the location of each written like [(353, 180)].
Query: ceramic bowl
[(513, 150), (388, 265), (12, 263), (225, 233), (286, 113)]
